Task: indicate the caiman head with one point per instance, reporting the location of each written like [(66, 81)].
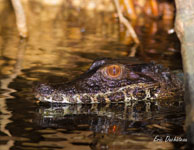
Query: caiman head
[(114, 80)]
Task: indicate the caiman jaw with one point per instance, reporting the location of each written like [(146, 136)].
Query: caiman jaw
[(121, 95)]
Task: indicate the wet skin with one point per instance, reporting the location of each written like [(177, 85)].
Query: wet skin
[(115, 80)]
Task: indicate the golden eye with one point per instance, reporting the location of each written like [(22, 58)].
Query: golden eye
[(113, 71)]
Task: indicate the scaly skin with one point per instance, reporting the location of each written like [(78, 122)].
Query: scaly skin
[(115, 80)]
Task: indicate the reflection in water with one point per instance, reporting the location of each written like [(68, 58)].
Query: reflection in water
[(5, 82), (113, 124), (134, 111)]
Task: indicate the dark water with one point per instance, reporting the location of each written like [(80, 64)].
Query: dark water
[(60, 47)]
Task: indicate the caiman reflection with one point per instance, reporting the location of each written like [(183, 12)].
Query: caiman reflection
[(105, 116), (115, 80)]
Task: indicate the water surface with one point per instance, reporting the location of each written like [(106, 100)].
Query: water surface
[(60, 47)]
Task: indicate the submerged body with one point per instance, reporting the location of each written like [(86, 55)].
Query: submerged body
[(115, 80)]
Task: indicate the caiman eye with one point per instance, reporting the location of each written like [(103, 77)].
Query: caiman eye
[(113, 71)]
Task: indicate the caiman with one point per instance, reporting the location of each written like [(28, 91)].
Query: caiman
[(115, 81)]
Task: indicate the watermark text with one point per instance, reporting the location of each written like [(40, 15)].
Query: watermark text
[(168, 138)]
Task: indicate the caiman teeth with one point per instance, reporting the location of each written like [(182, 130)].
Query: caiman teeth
[(77, 98)]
